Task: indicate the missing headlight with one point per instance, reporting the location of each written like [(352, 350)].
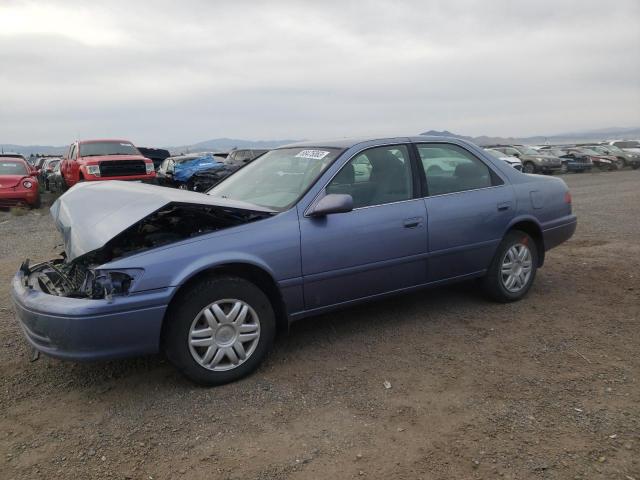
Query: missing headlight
[(78, 280)]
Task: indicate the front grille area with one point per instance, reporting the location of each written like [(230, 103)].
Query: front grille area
[(122, 168)]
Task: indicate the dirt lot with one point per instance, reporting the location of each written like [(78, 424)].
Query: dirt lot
[(546, 388)]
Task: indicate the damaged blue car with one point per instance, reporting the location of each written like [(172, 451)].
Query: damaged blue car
[(209, 279)]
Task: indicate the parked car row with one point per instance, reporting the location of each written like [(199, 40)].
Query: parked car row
[(549, 159), (111, 159)]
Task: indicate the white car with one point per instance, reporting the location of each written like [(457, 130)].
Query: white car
[(513, 161)]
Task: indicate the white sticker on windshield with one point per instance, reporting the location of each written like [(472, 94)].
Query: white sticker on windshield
[(315, 154)]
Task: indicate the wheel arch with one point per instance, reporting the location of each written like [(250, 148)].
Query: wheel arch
[(248, 271), (531, 227)]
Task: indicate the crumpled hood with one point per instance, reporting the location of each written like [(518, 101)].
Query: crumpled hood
[(92, 213)]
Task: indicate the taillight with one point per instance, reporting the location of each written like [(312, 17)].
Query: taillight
[(567, 197)]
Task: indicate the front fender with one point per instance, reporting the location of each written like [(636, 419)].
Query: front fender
[(216, 260)]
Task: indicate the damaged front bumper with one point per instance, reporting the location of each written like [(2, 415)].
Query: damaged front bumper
[(90, 329)]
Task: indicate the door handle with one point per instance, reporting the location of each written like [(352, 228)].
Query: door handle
[(412, 222), (503, 206)]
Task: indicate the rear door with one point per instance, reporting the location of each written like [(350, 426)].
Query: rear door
[(378, 247), (469, 207)]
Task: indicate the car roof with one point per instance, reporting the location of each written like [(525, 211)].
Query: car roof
[(112, 140), (349, 142), (12, 155)]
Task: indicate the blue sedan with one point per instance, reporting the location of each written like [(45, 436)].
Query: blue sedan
[(209, 279)]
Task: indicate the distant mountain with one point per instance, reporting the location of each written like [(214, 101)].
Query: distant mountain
[(226, 144), (27, 150), (574, 137)]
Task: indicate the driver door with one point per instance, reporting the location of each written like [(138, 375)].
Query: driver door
[(378, 247)]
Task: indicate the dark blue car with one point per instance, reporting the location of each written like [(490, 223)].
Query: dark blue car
[(210, 278), (570, 161)]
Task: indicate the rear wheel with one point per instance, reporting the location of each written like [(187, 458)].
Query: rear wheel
[(513, 268), (219, 330), (529, 167)]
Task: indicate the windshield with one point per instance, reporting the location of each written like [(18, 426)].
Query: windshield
[(495, 153), (588, 151), (528, 150), (93, 149), (553, 152), (278, 178), (12, 168)]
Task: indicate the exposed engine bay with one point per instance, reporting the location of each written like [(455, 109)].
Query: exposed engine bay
[(81, 278)]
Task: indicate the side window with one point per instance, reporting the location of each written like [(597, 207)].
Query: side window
[(376, 176), (450, 169)]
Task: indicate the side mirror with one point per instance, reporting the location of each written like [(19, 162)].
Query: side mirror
[(332, 203)]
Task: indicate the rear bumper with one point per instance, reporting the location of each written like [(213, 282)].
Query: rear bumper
[(550, 168), (83, 329), (578, 167), (12, 198), (560, 232)]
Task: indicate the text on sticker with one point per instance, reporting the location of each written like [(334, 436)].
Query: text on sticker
[(315, 154)]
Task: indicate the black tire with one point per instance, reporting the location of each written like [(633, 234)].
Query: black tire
[(529, 167), (187, 307), (620, 163), (493, 283), (635, 166), (38, 203)]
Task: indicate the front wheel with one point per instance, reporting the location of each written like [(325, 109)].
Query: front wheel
[(529, 167), (219, 330), (513, 268)]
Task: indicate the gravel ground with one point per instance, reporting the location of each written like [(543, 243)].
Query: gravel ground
[(545, 388)]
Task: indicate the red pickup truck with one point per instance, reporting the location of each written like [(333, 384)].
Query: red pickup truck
[(91, 160)]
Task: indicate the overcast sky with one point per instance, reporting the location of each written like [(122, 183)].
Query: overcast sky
[(173, 73)]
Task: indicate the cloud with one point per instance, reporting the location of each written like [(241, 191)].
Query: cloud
[(169, 73)]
